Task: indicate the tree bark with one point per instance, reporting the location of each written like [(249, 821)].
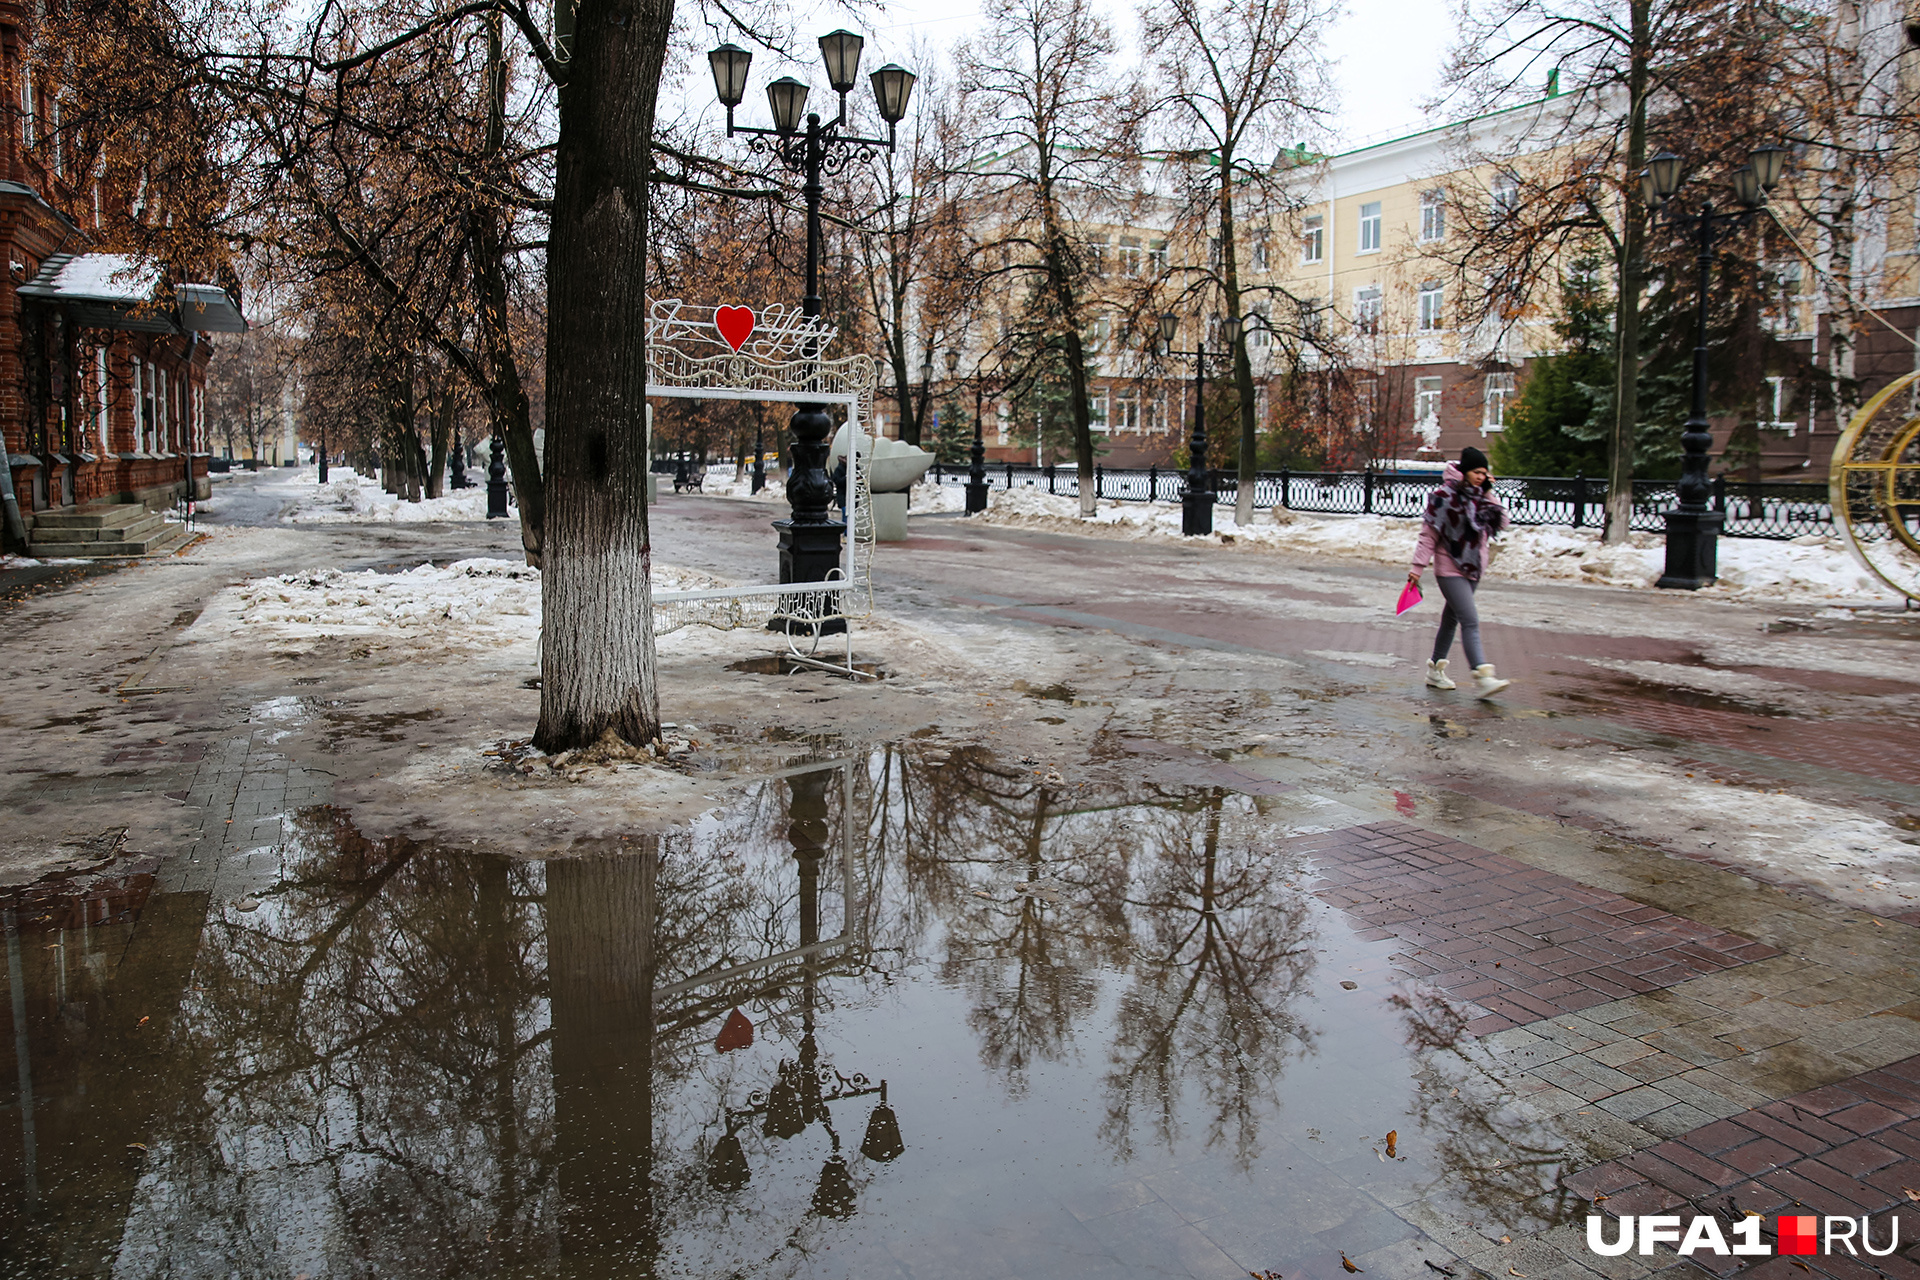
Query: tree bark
[(1626, 397), (597, 654), (1060, 278), (442, 436)]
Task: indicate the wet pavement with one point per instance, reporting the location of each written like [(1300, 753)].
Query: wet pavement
[(1152, 929)]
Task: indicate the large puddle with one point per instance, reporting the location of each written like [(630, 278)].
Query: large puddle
[(910, 1014)]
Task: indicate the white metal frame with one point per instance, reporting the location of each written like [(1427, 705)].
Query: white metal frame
[(780, 360)]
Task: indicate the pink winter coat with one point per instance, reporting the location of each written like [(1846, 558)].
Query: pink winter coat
[(1427, 551)]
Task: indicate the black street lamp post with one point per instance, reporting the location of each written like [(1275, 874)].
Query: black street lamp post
[(1693, 552), (1196, 502), (759, 458), (497, 480), (977, 465), (810, 537)]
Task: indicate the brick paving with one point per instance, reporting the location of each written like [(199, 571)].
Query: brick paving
[(1508, 942), (1843, 1150)]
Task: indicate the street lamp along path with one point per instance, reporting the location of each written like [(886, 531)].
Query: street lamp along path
[(1693, 531), (810, 538)]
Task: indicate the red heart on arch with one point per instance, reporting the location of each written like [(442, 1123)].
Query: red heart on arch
[(735, 324)]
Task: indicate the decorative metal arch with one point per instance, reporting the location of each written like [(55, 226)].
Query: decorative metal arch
[(1874, 486), (781, 359)]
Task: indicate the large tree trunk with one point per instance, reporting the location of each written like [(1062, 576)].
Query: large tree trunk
[(596, 653), (1626, 397), (442, 436), (1067, 302)]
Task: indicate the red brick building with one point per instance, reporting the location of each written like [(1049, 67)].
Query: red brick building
[(103, 357)]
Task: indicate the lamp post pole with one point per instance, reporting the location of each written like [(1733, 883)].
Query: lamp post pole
[(977, 467), (1693, 531), (1196, 502), (810, 538)]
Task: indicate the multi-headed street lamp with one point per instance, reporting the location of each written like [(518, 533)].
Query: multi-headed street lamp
[(1693, 553), (1196, 502), (810, 537)]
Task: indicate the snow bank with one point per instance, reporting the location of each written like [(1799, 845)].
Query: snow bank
[(1810, 568), (350, 498), (479, 601), (721, 484)]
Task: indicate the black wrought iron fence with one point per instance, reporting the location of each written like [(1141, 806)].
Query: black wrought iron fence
[(1769, 509)]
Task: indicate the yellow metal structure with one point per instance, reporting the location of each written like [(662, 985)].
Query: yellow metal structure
[(1874, 485)]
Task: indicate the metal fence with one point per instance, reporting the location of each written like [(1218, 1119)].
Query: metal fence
[(1768, 509)]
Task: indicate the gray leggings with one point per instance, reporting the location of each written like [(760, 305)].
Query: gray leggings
[(1461, 613)]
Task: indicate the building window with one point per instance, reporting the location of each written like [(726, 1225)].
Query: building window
[(1426, 408), (1102, 331), (1773, 406), (59, 147), (1002, 416), (1433, 216), (1213, 253), (1313, 239), (1097, 256), (1126, 409), (1506, 194), (1153, 414), (1260, 254), (105, 400), (1258, 330), (1157, 257), (1097, 409), (1129, 256), (1495, 393), (1369, 227), (1432, 307), (1366, 309), (26, 103)]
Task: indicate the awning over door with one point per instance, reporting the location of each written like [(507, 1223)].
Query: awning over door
[(119, 291)]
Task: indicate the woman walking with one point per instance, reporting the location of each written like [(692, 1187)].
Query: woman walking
[(1461, 518)]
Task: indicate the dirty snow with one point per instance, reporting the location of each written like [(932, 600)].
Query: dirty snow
[(1781, 837), (351, 498), (479, 601), (1809, 568)]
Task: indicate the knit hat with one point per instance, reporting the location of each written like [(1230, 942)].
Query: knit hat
[(1471, 457)]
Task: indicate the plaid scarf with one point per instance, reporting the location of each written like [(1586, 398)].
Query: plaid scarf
[(1463, 518)]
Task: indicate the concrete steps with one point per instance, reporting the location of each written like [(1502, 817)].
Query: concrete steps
[(104, 530)]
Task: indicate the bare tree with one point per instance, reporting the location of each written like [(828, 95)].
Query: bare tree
[(1238, 77), (1570, 172), (1054, 130)]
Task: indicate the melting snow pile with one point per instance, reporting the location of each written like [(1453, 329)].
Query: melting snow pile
[(1813, 567), (350, 498), (480, 600)]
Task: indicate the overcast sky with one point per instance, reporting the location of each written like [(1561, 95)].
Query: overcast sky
[(1386, 54)]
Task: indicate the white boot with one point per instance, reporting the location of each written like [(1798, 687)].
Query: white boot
[(1437, 675), (1485, 683)]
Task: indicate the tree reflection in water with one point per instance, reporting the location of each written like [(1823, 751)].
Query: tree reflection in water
[(423, 1062)]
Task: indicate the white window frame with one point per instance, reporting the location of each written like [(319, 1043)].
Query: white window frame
[(1504, 195), (1496, 394), (1097, 255), (26, 103), (1262, 252), (1369, 302), (1260, 337), (1433, 307), (1313, 239), (1427, 393), (1130, 257), (1775, 397), (59, 147), (1433, 216), (1097, 410), (102, 416), (1157, 257), (1370, 222), (1126, 409)]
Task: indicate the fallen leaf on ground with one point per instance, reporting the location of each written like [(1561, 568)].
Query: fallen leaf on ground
[(1602, 1196), (1350, 985), (1434, 1266), (1393, 1137), (136, 1146), (1506, 1239), (1347, 1262), (1512, 1272), (1911, 1193)]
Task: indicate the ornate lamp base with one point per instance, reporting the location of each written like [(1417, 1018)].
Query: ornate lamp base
[(976, 497), (809, 553), (1693, 549), (1196, 515)]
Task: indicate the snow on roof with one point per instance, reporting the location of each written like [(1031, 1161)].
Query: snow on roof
[(103, 277)]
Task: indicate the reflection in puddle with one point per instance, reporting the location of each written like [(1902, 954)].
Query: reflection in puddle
[(877, 1017)]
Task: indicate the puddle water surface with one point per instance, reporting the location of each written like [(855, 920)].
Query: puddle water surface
[(875, 1018)]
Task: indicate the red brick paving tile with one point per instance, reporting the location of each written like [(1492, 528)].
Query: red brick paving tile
[(1721, 1135), (1672, 1176), (1837, 1182), (1700, 1166), (1647, 1197), (1814, 1197), (1859, 1158), (1604, 1179), (1831, 1097), (1789, 1111), (1793, 1135), (1868, 1117), (1760, 1155), (1752, 1196), (1907, 1070), (1906, 1143), (1890, 1091), (1584, 1000)]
